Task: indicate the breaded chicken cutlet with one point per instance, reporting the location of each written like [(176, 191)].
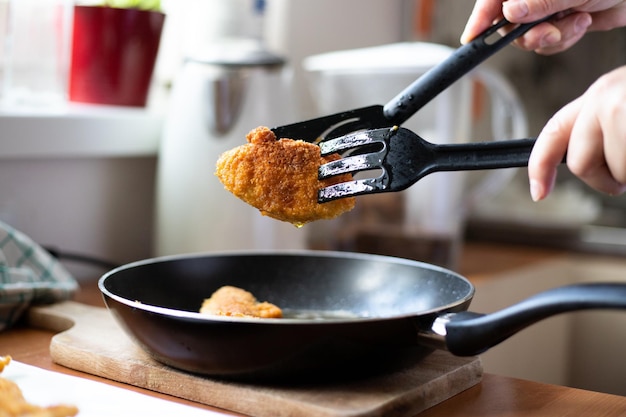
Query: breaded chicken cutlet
[(279, 177), (236, 302)]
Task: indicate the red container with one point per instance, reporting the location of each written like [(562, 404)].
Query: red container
[(113, 55)]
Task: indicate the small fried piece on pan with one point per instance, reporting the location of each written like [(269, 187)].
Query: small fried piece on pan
[(279, 177), (236, 302)]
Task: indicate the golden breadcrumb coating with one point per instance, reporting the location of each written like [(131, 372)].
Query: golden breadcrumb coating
[(13, 404), (279, 177), (235, 302), (4, 361)]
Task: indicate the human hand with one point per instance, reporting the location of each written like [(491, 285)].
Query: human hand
[(548, 37), (592, 131)]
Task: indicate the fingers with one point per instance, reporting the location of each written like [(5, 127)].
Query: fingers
[(598, 142), (613, 122), (551, 37), (544, 35), (586, 154), (592, 131), (483, 15), (525, 11), (610, 18), (550, 149)]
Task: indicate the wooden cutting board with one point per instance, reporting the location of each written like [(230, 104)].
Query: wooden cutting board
[(91, 341)]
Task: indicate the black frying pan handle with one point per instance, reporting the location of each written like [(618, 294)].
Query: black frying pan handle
[(464, 59), (469, 334)]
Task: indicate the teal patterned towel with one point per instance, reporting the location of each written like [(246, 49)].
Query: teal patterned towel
[(28, 275)]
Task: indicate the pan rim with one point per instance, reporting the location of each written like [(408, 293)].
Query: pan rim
[(196, 316)]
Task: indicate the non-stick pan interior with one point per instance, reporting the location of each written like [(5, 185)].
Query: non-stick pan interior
[(352, 285)]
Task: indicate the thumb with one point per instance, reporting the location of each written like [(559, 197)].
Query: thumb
[(524, 11), (483, 15)]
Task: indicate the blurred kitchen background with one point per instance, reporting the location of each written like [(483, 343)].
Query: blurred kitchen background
[(122, 183)]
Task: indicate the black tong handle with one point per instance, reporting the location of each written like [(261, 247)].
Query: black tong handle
[(412, 98), (483, 155), (464, 59)]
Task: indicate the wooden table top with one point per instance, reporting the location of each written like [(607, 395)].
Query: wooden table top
[(494, 396)]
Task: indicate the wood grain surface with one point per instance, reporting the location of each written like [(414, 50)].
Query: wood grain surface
[(91, 341)]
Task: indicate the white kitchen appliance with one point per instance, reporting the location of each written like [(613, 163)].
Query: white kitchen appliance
[(225, 89)]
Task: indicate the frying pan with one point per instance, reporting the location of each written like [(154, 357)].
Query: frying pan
[(345, 313)]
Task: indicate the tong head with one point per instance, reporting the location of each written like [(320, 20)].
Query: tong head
[(364, 151), (401, 158), (327, 127)]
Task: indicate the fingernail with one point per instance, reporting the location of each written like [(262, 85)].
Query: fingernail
[(536, 190), (550, 39), (464, 37), (515, 9), (582, 22)]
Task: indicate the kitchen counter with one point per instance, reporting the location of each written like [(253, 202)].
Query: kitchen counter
[(494, 396)]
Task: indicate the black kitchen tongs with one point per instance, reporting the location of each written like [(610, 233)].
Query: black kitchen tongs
[(412, 98)]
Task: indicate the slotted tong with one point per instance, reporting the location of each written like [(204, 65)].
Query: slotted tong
[(402, 157), (396, 150)]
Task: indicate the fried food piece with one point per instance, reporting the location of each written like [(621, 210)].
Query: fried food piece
[(4, 361), (235, 302), (279, 177), (13, 404)]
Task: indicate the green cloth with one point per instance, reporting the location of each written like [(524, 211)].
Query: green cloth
[(28, 275)]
